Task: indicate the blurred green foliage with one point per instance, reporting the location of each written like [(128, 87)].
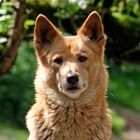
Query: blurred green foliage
[(127, 21), (6, 17), (16, 88), (124, 85), (6, 21)]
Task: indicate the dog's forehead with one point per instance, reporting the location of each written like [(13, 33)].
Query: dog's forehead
[(73, 42)]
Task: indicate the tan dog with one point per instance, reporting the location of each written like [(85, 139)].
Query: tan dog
[(70, 84)]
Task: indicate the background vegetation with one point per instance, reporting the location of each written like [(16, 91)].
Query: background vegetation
[(122, 25)]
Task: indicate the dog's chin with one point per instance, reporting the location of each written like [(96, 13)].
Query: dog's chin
[(72, 92)]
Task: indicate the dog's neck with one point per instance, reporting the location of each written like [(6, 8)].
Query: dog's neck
[(75, 117)]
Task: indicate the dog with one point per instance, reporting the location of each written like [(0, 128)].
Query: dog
[(71, 83)]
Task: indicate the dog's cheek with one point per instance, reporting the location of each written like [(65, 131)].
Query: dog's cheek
[(83, 71), (94, 70), (58, 78)]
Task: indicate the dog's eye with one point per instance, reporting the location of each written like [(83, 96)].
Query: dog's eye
[(82, 58), (58, 61)]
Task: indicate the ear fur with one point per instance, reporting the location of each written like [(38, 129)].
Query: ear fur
[(45, 32), (92, 28)]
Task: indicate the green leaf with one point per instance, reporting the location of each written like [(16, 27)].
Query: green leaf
[(28, 23)]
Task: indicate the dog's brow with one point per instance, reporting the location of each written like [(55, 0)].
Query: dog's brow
[(81, 52)]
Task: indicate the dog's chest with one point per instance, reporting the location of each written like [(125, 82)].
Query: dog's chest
[(70, 123)]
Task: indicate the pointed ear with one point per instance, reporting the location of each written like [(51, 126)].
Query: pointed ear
[(93, 29), (45, 32)]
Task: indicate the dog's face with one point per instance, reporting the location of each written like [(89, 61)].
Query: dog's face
[(74, 62)]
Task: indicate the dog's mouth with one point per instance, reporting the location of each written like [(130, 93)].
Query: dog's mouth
[(73, 88)]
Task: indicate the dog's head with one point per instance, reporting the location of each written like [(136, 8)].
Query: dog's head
[(70, 64)]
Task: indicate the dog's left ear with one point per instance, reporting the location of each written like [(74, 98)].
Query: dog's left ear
[(93, 28)]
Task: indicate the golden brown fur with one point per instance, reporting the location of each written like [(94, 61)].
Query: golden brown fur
[(59, 114)]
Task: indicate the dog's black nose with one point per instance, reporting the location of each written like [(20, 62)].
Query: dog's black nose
[(73, 79)]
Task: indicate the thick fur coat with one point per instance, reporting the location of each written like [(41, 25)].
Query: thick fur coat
[(70, 84)]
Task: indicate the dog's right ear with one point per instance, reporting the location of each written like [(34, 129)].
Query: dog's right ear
[(45, 32), (93, 28)]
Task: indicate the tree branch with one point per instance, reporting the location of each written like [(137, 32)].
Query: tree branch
[(15, 38)]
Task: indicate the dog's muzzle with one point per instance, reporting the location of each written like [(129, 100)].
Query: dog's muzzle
[(72, 85)]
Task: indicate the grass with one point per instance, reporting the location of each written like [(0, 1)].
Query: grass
[(118, 124), (8, 132)]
